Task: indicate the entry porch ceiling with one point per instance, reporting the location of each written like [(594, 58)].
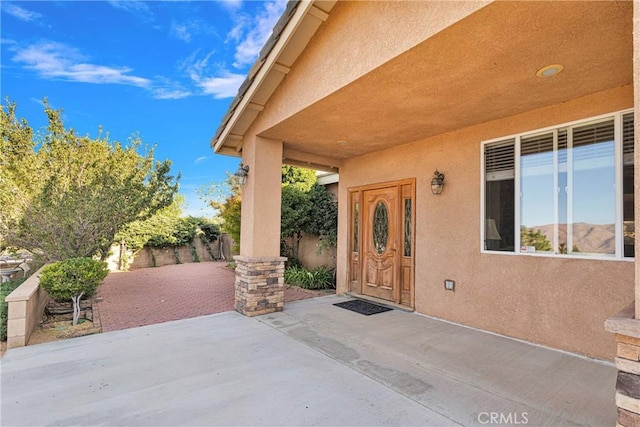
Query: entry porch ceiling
[(480, 69)]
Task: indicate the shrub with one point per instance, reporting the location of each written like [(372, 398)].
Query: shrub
[(318, 278), (73, 278), (64, 279), (5, 289)]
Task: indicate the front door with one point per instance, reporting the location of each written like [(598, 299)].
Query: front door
[(380, 243), (382, 229)]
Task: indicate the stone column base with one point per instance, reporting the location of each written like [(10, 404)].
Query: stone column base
[(627, 331), (259, 285)]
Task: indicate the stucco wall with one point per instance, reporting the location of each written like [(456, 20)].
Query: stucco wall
[(166, 256), (557, 302), (26, 306)]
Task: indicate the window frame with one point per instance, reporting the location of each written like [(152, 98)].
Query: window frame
[(617, 117)]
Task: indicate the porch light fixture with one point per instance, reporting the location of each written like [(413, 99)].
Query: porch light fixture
[(437, 183), (549, 70), (242, 173)]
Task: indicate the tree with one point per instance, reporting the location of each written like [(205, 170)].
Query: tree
[(226, 198), (68, 194), (301, 178), (168, 228), (307, 208), (296, 208), (323, 218), (535, 238)]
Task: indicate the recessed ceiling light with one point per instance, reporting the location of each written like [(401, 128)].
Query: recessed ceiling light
[(549, 70)]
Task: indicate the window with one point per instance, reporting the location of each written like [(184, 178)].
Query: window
[(564, 191)]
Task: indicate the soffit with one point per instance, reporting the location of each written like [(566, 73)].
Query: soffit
[(480, 69)]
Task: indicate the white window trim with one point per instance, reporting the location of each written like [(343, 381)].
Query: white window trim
[(619, 249)]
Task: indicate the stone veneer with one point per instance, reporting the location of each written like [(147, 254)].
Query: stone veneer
[(627, 332), (259, 285)]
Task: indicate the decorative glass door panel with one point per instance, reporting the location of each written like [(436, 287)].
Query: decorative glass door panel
[(382, 229), (380, 243)]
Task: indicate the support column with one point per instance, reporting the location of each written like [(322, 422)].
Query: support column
[(636, 121), (627, 332), (259, 286), (626, 325)]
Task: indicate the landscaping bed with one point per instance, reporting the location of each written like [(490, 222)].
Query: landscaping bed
[(57, 323)]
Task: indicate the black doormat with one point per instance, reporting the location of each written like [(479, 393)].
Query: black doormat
[(362, 307)]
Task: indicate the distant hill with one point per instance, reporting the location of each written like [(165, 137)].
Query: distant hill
[(588, 238)]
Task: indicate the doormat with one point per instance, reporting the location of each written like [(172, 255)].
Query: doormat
[(362, 307)]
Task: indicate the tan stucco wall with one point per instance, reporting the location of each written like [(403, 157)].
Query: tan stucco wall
[(556, 302), (261, 196), (309, 256), (329, 61), (26, 306)]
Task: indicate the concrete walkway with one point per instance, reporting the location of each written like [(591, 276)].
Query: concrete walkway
[(313, 364), (148, 296)]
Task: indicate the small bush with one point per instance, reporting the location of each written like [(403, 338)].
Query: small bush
[(318, 278), (64, 280), (5, 289)]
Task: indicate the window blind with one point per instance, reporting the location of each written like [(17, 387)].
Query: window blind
[(590, 141), (499, 160), (627, 138)]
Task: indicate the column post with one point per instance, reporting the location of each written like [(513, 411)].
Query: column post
[(626, 324), (259, 285)]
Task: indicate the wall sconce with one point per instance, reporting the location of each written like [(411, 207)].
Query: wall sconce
[(242, 173), (437, 183)]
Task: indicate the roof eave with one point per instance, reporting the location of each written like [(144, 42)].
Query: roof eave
[(299, 22)]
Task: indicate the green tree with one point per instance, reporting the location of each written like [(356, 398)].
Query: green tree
[(307, 207), (226, 198), (301, 178), (323, 217), (296, 208), (535, 238), (168, 228), (68, 194)]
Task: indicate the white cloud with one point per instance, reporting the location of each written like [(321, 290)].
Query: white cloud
[(231, 4), (224, 86), (195, 67), (200, 160), (181, 31), (131, 6), (20, 12), (165, 93), (217, 82), (164, 88), (56, 60), (252, 33)]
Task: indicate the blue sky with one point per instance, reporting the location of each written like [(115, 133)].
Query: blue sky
[(164, 70)]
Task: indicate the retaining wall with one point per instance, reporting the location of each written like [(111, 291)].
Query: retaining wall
[(26, 307)]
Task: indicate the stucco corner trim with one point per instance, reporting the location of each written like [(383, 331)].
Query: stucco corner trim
[(624, 323)]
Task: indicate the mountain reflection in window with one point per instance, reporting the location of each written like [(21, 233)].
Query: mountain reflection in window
[(380, 227)]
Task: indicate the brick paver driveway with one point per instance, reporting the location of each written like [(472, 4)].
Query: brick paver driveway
[(154, 295)]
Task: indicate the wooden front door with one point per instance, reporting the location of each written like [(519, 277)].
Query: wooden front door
[(382, 241)]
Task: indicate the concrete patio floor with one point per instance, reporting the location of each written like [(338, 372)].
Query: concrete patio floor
[(313, 364)]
